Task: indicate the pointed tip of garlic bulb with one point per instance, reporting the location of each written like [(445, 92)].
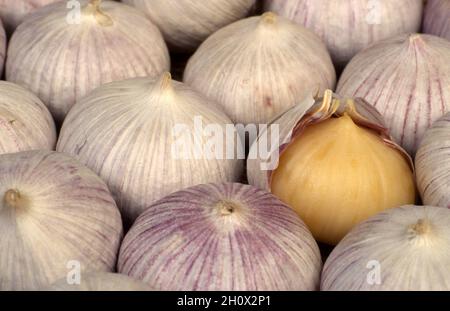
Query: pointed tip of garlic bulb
[(269, 18), (93, 9), (12, 198), (421, 227), (165, 82)]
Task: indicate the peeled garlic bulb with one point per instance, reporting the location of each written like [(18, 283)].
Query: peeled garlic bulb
[(25, 122), (187, 23), (56, 217), (73, 54), (403, 249), (13, 12), (2, 47), (349, 26), (433, 164), (437, 17), (406, 78), (221, 237), (141, 136), (337, 166), (98, 281), (260, 66)]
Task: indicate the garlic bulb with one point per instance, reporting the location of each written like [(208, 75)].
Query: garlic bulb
[(147, 139), (2, 47), (335, 165), (402, 249), (437, 17), (406, 78), (56, 218), (100, 281), (13, 12), (349, 26), (75, 53), (221, 237), (25, 122), (187, 23), (433, 164), (260, 66)]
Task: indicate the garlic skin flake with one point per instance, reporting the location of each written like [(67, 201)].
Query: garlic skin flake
[(437, 18), (433, 164), (260, 66), (405, 78), (126, 132), (54, 214), (402, 249), (70, 57), (349, 26), (25, 122), (185, 24), (13, 12)]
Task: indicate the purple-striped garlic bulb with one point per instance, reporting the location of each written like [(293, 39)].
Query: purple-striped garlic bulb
[(77, 51), (437, 18), (433, 164), (148, 138), (3, 43), (185, 24), (13, 12), (56, 218), (25, 122), (402, 249), (260, 66), (349, 26), (407, 79), (99, 281), (221, 237)]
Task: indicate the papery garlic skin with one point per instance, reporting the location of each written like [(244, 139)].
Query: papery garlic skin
[(349, 26), (433, 164), (406, 78), (55, 215), (103, 282), (70, 57), (221, 237), (13, 12), (25, 122), (437, 18), (3, 42), (185, 24), (126, 132), (403, 249), (260, 66)]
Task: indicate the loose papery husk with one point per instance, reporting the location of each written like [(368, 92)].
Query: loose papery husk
[(433, 164), (308, 112), (437, 18)]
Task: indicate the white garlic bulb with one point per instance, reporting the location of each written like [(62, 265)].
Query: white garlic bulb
[(187, 23), (349, 26), (141, 136), (403, 249), (2, 47), (406, 78), (99, 281), (25, 122), (62, 55), (433, 164), (437, 17), (56, 217), (259, 67), (13, 12)]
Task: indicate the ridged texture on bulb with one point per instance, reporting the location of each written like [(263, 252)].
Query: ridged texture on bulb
[(2, 47), (61, 61), (221, 237), (185, 24), (350, 26), (13, 12), (403, 249), (54, 214), (406, 78), (437, 18), (433, 164), (101, 282), (337, 174), (25, 122), (260, 66), (127, 133)]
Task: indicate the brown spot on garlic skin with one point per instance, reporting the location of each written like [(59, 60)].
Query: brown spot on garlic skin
[(268, 101)]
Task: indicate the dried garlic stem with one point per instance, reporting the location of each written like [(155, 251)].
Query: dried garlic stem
[(12, 198), (269, 18), (421, 227), (226, 208), (94, 9)]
